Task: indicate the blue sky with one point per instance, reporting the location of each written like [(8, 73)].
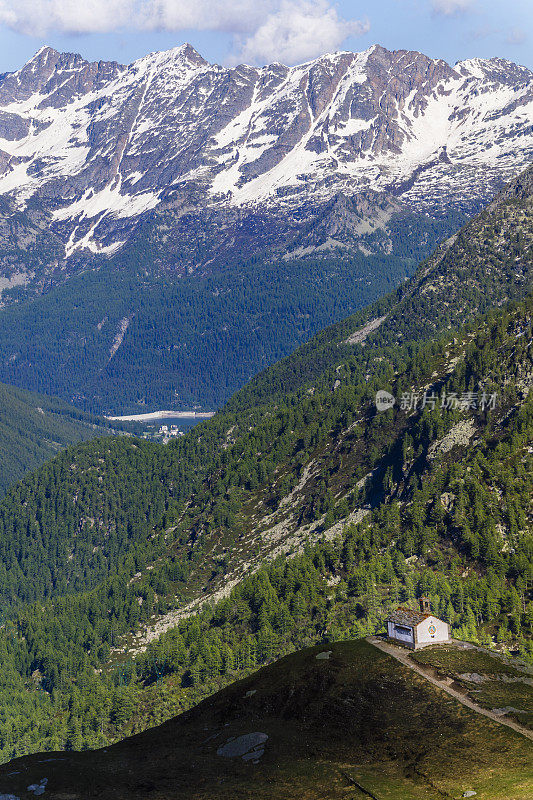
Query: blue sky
[(261, 31)]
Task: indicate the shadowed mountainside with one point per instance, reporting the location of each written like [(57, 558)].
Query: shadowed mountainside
[(330, 721)]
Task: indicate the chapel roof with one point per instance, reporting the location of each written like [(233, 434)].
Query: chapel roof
[(406, 616)]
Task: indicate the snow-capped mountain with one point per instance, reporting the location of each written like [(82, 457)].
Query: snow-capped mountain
[(98, 145)]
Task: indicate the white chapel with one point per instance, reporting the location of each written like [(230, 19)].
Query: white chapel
[(417, 629)]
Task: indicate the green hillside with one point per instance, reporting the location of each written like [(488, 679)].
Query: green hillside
[(489, 262), (33, 428), (336, 721), (158, 574), (452, 523)]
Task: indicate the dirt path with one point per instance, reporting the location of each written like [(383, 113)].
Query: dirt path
[(402, 656)]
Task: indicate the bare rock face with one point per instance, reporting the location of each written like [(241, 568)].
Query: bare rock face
[(520, 189), (7, 162), (100, 145)]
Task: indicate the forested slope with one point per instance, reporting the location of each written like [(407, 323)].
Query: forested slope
[(489, 262), (445, 509), (33, 428), (260, 430), (372, 508), (130, 335)]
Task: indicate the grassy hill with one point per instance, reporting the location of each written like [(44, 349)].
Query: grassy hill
[(340, 720), (493, 683)]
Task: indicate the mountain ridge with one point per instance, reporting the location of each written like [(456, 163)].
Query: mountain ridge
[(309, 105)]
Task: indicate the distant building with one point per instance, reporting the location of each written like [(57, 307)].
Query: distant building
[(417, 629)]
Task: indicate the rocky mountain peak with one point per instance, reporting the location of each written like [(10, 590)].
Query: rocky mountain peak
[(498, 70), (185, 56), (43, 55), (189, 53), (54, 78)]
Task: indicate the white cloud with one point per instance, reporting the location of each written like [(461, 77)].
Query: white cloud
[(39, 17), (264, 30), (299, 31), (451, 7), (238, 16)]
